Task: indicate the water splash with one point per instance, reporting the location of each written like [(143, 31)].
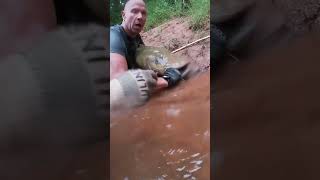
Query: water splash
[(173, 111), (169, 126), (185, 163)]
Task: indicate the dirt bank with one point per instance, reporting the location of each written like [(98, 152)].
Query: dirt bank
[(177, 33)]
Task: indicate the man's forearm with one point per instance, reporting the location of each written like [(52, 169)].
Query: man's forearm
[(118, 65), (117, 98)]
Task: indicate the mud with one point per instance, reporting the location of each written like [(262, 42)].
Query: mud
[(168, 138)]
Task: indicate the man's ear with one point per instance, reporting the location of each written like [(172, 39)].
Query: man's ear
[(123, 15)]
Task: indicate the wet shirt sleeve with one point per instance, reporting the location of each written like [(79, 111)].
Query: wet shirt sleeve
[(117, 43)]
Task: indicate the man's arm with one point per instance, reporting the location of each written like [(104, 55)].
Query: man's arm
[(118, 62), (132, 88), (118, 65)]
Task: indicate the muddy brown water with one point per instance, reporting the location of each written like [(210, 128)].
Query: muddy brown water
[(168, 138)]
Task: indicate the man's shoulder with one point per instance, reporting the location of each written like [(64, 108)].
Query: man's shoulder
[(117, 40), (116, 29), (116, 33)]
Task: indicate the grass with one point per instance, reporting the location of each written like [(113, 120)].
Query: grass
[(200, 13), (164, 10), (160, 11)]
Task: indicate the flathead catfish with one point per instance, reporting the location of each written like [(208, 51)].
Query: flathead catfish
[(158, 59)]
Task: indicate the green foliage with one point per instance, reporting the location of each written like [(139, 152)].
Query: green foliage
[(200, 13), (116, 7), (160, 11)]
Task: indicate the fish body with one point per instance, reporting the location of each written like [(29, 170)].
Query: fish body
[(158, 59)]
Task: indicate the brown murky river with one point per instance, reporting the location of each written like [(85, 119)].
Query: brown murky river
[(168, 138)]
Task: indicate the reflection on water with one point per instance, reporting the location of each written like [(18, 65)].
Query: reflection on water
[(168, 138), (185, 164)]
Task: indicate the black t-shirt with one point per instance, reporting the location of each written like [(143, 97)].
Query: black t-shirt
[(122, 44)]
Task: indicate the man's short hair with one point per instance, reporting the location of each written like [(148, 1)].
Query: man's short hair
[(126, 1)]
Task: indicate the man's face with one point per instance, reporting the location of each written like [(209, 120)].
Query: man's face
[(134, 16)]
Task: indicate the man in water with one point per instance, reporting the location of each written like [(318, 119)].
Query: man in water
[(124, 40)]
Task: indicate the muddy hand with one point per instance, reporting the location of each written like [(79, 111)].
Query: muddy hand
[(133, 88)]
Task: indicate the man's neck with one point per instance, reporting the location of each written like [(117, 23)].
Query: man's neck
[(128, 32)]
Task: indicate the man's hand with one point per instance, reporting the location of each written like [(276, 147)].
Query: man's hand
[(161, 83), (132, 88)]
